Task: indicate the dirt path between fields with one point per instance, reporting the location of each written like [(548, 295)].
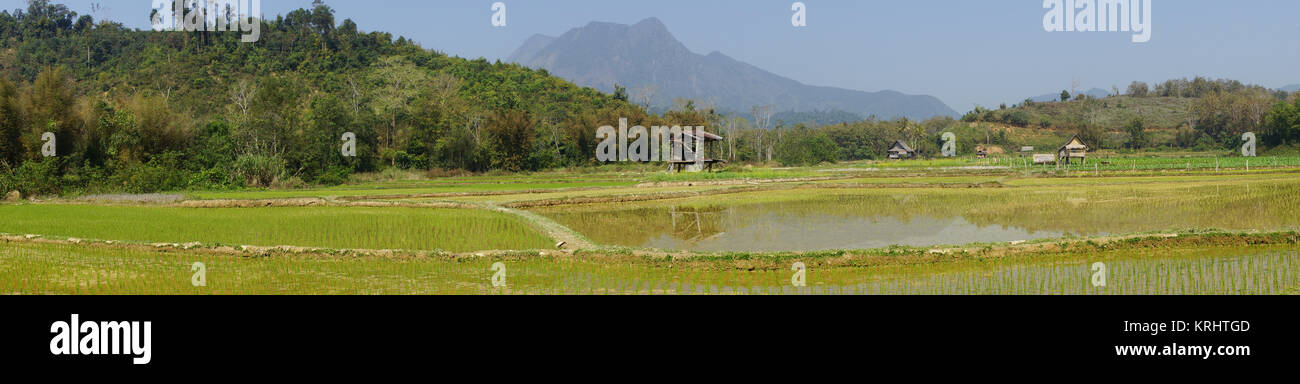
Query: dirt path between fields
[(470, 194), (640, 197), (317, 202), (857, 259), (566, 238), (629, 198), (706, 183)]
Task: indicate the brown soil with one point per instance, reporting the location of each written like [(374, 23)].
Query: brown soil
[(295, 202), (313, 202), (738, 182), (469, 194), (635, 198)]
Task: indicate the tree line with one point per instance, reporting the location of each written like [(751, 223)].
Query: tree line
[(144, 111)]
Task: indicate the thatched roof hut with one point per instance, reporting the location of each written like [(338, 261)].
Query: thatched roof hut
[(901, 150), (1075, 148)]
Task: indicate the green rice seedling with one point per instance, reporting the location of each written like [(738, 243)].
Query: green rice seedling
[(322, 227)]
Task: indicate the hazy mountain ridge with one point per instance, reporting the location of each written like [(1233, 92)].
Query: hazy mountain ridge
[(819, 117), (646, 56), (531, 46)]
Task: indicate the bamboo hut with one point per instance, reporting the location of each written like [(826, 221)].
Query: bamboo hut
[(700, 156), (1075, 148), (901, 150)]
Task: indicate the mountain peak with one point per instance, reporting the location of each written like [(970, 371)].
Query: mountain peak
[(652, 28), (645, 56), (651, 23), (534, 44)]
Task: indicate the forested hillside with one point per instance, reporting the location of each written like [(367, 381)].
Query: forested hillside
[(1197, 113), (147, 111)]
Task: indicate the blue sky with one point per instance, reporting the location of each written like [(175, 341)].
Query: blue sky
[(965, 52)]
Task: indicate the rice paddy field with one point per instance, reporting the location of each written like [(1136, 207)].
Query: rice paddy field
[(1174, 270), (866, 218), (1142, 225), (440, 229)]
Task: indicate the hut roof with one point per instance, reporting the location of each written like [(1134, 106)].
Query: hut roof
[(704, 135), (899, 145), (1075, 143)]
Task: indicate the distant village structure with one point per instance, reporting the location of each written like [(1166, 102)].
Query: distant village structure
[(901, 150), (1073, 149)]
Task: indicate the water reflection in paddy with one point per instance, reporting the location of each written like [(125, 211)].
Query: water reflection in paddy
[(806, 220), (772, 229)]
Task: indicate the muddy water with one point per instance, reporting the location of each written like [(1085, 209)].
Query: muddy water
[(810, 220), (803, 225), (770, 229)]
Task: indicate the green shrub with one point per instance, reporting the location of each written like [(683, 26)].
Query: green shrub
[(214, 178), (1017, 118), (162, 173), (258, 170), (34, 178), (334, 176)]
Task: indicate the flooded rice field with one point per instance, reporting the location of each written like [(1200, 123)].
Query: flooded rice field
[(832, 219)]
